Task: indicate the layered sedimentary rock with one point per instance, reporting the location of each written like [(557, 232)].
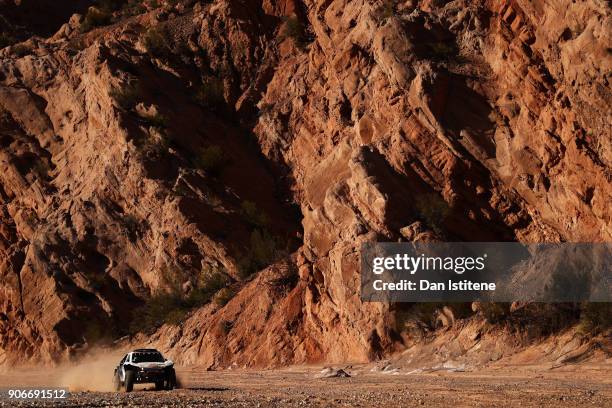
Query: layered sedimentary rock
[(416, 120)]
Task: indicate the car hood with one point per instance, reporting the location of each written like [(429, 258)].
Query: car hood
[(165, 364)]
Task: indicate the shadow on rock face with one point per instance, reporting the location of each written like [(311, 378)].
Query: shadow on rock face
[(42, 17)]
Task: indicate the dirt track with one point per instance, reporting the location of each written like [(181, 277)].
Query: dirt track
[(299, 387)]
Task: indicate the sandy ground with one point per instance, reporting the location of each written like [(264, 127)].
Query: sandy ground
[(298, 387)]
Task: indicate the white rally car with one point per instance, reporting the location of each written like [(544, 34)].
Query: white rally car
[(144, 366)]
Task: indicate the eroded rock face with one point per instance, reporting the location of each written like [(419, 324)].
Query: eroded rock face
[(367, 114)]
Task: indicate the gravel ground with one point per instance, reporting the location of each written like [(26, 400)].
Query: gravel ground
[(300, 387)]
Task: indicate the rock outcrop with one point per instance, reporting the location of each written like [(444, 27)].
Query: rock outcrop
[(183, 139)]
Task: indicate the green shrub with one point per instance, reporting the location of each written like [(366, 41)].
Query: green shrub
[(176, 316), (433, 209), (224, 296), (595, 317), (211, 94), (263, 250), (160, 308), (172, 307), (253, 215), (212, 159), (156, 41), (294, 29), (209, 283)]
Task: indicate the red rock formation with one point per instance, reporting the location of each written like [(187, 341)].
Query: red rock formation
[(365, 112)]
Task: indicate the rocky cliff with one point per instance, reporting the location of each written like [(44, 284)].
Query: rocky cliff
[(226, 159)]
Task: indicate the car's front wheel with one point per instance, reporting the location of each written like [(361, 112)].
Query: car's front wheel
[(129, 381), (171, 379)]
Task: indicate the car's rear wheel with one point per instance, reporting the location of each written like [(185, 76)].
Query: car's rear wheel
[(159, 386), (129, 381)]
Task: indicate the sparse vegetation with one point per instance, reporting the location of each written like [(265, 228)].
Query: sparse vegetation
[(212, 159), (211, 94), (96, 332), (595, 317), (224, 296), (126, 97), (263, 250), (159, 309), (494, 312), (210, 281), (156, 41), (253, 215), (294, 29), (172, 306), (433, 209), (425, 313)]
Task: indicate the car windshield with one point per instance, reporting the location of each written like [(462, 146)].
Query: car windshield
[(147, 358)]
